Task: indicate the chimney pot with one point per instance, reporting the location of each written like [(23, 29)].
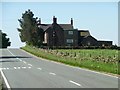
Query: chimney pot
[(54, 19), (71, 21)]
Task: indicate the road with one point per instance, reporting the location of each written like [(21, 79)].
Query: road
[(23, 70)]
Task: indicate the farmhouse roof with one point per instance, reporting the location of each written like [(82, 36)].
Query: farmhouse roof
[(63, 26), (89, 36)]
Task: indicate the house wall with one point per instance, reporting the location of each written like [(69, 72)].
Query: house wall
[(89, 41), (55, 36), (70, 37), (81, 34)]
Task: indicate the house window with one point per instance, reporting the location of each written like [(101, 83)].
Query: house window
[(103, 45), (45, 38), (88, 43), (69, 40), (70, 32)]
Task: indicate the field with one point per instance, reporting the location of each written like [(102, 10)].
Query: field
[(104, 60)]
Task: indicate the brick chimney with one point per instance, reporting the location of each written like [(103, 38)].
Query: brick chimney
[(54, 19), (71, 21)]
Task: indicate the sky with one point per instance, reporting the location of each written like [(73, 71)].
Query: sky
[(101, 18)]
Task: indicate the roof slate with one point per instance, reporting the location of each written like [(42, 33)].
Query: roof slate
[(64, 26)]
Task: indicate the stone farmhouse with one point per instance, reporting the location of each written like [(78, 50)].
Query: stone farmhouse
[(65, 35)]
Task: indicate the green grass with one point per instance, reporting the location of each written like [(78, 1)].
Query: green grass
[(97, 59)]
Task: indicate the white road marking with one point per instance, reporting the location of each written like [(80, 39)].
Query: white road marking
[(11, 52), (18, 67), (52, 73), (20, 59), (4, 68), (24, 62), (5, 80), (24, 67), (30, 64), (14, 55), (75, 83), (29, 67), (15, 68), (39, 68), (7, 68)]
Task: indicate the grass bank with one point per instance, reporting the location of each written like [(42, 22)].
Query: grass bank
[(95, 59)]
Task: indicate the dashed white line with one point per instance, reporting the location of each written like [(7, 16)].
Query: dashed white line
[(39, 68), (29, 67), (24, 67), (18, 67), (30, 64), (75, 83), (7, 68), (52, 73), (4, 68), (15, 68)]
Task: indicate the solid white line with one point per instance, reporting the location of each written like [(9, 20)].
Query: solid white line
[(39, 68), (52, 73), (20, 60), (75, 83), (11, 52), (14, 55), (5, 80), (30, 64)]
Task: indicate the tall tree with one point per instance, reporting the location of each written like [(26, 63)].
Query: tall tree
[(29, 31), (4, 41)]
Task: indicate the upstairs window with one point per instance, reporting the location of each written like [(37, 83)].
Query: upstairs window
[(70, 32)]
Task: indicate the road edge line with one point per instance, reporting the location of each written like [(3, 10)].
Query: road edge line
[(5, 80), (75, 83)]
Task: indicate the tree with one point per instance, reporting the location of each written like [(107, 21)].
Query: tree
[(29, 31), (4, 41)]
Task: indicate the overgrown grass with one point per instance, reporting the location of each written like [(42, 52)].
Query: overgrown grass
[(97, 59)]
